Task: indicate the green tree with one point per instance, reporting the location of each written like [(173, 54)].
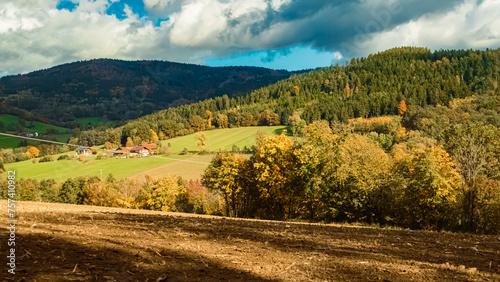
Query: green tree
[(476, 150), (224, 175)]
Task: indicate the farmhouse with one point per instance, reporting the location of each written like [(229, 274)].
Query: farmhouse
[(121, 152), (150, 147), (142, 150), (24, 134), (139, 151), (83, 151)]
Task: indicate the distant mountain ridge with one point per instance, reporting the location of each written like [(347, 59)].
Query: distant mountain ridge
[(121, 90)]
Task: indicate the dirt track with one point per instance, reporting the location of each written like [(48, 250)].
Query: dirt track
[(57, 242)]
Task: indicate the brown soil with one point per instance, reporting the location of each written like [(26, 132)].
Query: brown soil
[(57, 242)]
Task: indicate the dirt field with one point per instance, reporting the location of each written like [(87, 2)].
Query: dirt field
[(57, 242)]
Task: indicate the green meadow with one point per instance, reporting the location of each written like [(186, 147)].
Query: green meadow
[(191, 167), (12, 123), (220, 139)]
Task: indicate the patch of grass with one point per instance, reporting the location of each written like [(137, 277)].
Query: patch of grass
[(64, 169), (223, 138), (58, 133)]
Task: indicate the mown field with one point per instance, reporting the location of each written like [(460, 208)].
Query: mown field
[(60, 134), (191, 166), (223, 138), (60, 242)]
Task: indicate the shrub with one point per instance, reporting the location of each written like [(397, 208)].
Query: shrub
[(184, 152), (48, 158), (101, 157), (63, 157)]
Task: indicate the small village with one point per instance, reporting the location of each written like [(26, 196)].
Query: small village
[(142, 150)]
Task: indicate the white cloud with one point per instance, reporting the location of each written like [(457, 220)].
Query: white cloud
[(39, 36), (34, 34), (469, 25)]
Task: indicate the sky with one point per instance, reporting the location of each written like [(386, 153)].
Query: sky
[(278, 34)]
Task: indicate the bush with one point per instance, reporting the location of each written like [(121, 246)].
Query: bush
[(72, 190), (101, 157), (164, 151), (49, 191), (48, 158), (184, 152), (63, 157)]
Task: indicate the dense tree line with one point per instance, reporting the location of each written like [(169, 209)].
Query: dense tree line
[(346, 175), (365, 87), (168, 193)]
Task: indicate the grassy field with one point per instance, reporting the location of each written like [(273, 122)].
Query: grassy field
[(223, 138), (64, 169), (60, 134), (191, 167)]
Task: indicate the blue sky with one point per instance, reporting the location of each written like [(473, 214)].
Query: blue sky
[(279, 34)]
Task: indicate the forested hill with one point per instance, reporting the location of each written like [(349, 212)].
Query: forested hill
[(121, 90), (366, 87)]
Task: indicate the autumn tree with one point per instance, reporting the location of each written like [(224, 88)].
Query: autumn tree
[(426, 184), (129, 143), (476, 150), (360, 175), (221, 120), (32, 152), (201, 141), (109, 146), (209, 118), (274, 168), (164, 194), (153, 137), (296, 123), (197, 123), (224, 175), (402, 108), (316, 160)]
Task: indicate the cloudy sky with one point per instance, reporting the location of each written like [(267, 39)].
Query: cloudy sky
[(280, 34)]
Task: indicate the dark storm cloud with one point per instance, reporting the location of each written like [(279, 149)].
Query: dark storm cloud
[(336, 25)]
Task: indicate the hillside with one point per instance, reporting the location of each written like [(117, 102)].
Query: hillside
[(191, 167), (366, 87), (98, 243), (121, 90), (14, 125), (407, 126)]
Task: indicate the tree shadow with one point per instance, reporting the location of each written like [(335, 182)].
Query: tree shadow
[(278, 131), (50, 258), (346, 242)]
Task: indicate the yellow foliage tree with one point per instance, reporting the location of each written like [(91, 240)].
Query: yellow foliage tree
[(209, 118), (347, 90), (224, 175), (164, 194), (273, 165), (129, 143), (402, 108), (154, 136), (429, 183), (32, 152)]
